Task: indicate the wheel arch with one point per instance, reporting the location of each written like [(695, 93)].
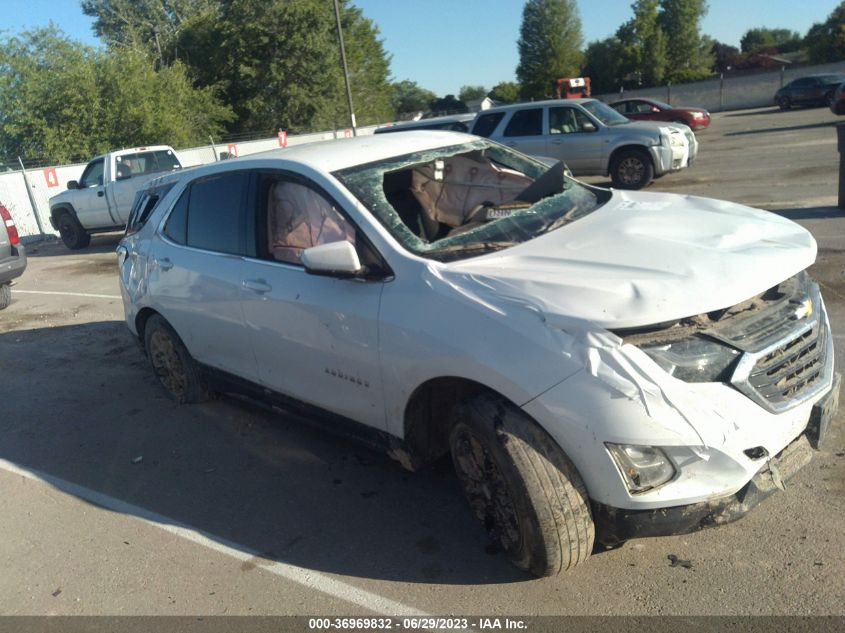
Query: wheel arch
[(429, 414), (64, 207), (141, 319), (635, 147)]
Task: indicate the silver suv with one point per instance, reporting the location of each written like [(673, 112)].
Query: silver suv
[(592, 138)]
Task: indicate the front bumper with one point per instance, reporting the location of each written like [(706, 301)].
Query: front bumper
[(615, 525)]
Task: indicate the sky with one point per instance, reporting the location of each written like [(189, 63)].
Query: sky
[(446, 44)]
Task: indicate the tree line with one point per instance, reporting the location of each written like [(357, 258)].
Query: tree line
[(177, 71)]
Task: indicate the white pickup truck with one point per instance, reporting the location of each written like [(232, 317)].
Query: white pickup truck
[(102, 198)]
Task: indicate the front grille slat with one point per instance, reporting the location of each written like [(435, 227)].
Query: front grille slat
[(786, 358)]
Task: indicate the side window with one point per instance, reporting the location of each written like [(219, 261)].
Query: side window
[(562, 121), (621, 108), (642, 106), (145, 202), (486, 124), (525, 123), (93, 174), (176, 227), (298, 217), (215, 213)]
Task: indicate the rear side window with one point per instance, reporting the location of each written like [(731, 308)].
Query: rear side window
[(486, 124), (215, 213), (145, 202), (525, 123), (176, 227)]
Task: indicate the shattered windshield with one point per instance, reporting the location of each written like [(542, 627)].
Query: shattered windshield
[(464, 200)]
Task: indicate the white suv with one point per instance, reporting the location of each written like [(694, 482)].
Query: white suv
[(599, 364)]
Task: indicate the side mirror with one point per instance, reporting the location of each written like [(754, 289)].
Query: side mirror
[(73, 184), (588, 126), (337, 259)]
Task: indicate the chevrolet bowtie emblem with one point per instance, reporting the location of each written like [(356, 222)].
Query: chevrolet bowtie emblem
[(803, 309)]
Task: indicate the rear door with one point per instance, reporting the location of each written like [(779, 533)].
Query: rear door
[(524, 131), (195, 272), (315, 338)]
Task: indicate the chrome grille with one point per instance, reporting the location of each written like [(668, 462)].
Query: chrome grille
[(791, 367)]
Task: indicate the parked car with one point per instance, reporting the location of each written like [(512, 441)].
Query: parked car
[(102, 198), (652, 110), (809, 90), (599, 364), (593, 139), (453, 123), (12, 256), (837, 104)]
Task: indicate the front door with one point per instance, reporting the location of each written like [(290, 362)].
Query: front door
[(575, 139), (315, 338)]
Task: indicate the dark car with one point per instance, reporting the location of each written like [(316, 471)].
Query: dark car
[(12, 256), (837, 104), (651, 110), (809, 90)]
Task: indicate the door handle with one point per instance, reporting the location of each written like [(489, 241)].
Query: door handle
[(165, 264), (257, 285), (101, 193)]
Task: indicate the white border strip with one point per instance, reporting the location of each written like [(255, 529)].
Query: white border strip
[(65, 294), (299, 575)]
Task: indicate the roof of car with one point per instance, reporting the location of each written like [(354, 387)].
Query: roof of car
[(347, 152), (463, 118), (524, 104)]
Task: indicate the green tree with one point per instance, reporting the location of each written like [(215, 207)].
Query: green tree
[(62, 101), (761, 38), (549, 45), (447, 105), (644, 54), (825, 41), (603, 65), (471, 93), (688, 59), (409, 97), (152, 25), (505, 92)]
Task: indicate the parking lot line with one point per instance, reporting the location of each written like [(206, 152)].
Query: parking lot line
[(65, 294), (306, 577)]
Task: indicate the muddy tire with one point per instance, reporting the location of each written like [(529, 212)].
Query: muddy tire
[(5, 296), (177, 372), (73, 235), (522, 486), (631, 169)]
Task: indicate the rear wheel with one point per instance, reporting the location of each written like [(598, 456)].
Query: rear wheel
[(828, 99), (5, 296), (73, 235), (522, 486), (631, 169), (173, 365)]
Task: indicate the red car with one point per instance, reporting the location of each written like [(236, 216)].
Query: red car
[(651, 110)]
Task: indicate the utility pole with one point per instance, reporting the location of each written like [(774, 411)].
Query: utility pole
[(345, 70)]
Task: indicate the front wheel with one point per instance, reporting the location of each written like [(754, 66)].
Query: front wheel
[(73, 235), (522, 486), (631, 169), (784, 103)]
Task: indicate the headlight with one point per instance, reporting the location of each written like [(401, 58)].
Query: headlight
[(642, 467), (694, 359), (671, 137)]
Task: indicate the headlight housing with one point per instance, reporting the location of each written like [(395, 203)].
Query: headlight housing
[(671, 137), (694, 359), (642, 467)]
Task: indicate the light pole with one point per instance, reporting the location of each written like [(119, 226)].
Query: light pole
[(345, 70)]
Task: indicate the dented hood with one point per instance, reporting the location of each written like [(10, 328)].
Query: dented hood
[(642, 259)]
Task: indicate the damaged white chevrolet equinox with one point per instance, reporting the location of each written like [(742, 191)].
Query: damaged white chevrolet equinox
[(601, 365)]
